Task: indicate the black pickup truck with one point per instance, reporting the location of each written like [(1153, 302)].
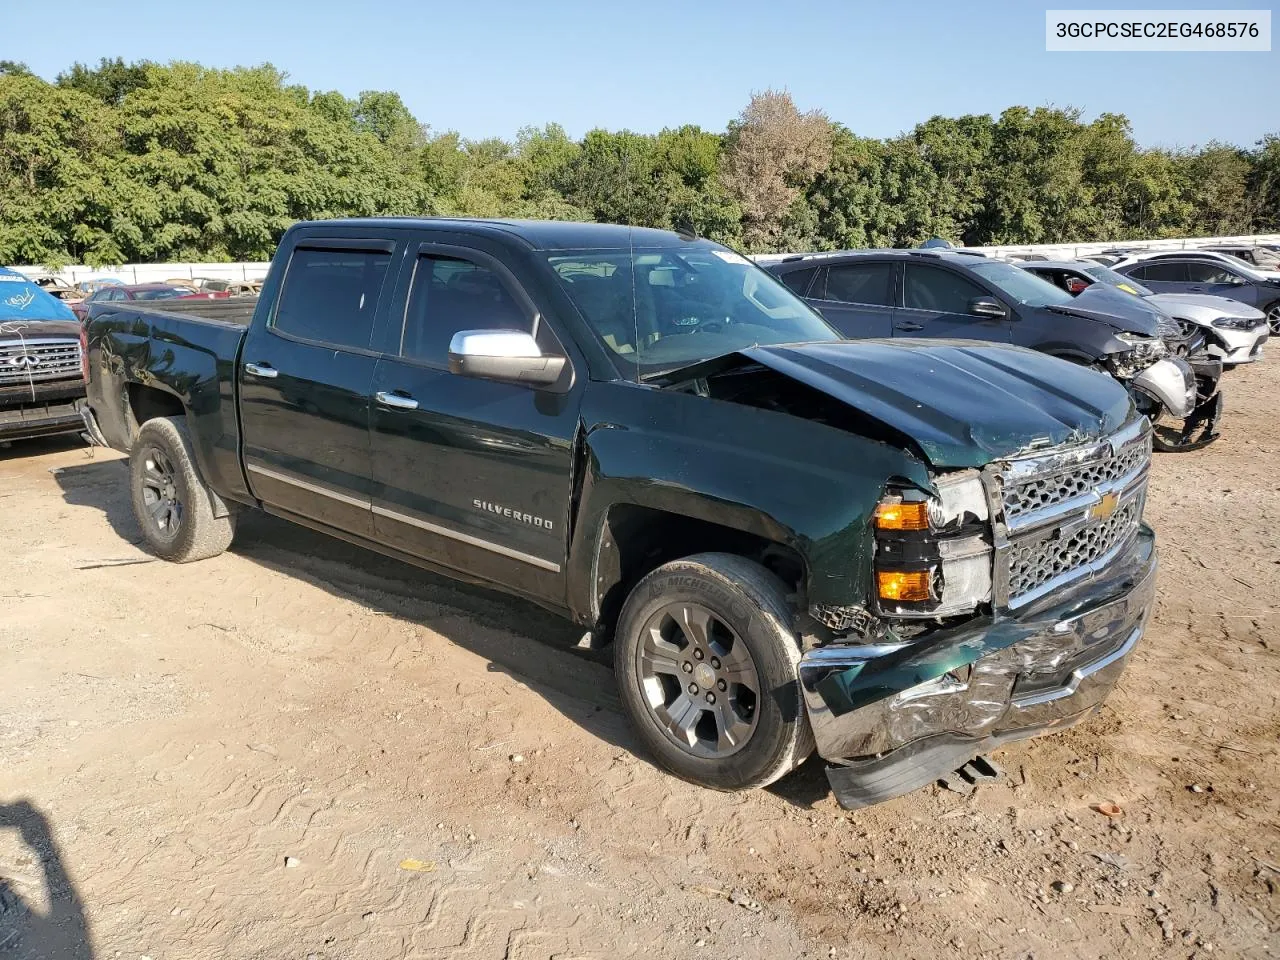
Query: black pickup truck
[(906, 552)]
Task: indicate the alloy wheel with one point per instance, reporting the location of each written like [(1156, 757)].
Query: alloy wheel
[(698, 680), (160, 493)]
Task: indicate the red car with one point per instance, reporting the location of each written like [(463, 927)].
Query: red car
[(141, 291)]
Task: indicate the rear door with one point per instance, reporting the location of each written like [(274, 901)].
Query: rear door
[(857, 298), (935, 303), (471, 474), (305, 382), (1162, 276)]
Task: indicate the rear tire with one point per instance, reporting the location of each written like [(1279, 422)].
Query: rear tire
[(708, 672), (171, 502)]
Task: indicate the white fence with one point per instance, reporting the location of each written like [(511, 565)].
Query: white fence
[(155, 272), (1071, 251)]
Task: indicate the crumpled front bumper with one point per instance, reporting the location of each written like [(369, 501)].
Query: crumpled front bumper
[(894, 717)]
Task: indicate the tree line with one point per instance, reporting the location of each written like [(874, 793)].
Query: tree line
[(135, 162)]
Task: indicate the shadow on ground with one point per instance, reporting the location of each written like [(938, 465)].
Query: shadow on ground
[(27, 933), (579, 684)]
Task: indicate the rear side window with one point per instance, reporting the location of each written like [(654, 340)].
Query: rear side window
[(797, 281), (1169, 271), (332, 295), (449, 295), (861, 283), (931, 288)]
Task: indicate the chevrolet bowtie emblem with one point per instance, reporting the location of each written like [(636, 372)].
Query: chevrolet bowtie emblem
[(1104, 507)]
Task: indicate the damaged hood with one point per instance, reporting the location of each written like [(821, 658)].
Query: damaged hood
[(962, 403), (1119, 310)]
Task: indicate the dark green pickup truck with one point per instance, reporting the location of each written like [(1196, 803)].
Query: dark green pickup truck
[(904, 552)]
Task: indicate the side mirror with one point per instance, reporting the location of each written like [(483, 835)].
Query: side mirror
[(511, 356), (987, 307)]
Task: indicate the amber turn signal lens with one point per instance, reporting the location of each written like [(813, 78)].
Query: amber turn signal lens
[(909, 585), (902, 515)]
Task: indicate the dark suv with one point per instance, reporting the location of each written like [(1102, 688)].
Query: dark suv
[(1211, 273), (928, 293)]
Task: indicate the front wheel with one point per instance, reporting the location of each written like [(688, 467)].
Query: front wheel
[(708, 671), (1273, 318)]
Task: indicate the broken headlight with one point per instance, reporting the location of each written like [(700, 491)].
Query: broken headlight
[(1142, 352), (933, 553)]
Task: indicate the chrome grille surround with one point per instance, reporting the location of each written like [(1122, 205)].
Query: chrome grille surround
[(38, 361), (1065, 515)]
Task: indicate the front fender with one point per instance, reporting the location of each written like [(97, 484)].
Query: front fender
[(791, 481)]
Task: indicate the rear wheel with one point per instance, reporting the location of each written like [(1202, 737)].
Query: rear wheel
[(170, 501), (707, 668)]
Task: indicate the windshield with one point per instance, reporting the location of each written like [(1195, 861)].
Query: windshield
[(665, 308), (168, 293), (1105, 275), (1026, 288)]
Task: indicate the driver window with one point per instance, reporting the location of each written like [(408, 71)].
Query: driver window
[(1209, 273), (448, 295), (930, 288)]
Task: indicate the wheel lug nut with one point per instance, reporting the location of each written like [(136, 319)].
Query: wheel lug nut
[(687, 667), (693, 689), (723, 686), (715, 663), (711, 698), (697, 654)]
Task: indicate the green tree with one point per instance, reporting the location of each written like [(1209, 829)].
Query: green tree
[(1264, 184), (1216, 181), (56, 204), (109, 82)]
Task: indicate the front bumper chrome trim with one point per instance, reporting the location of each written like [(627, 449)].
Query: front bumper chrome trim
[(1079, 675)]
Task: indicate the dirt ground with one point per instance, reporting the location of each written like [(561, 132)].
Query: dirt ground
[(302, 750)]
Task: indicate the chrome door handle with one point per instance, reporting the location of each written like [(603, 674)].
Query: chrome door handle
[(395, 400), (264, 370)]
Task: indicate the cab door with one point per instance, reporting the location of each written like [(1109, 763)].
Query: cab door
[(471, 474), (306, 378)]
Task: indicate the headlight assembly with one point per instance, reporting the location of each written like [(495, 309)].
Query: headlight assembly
[(1142, 352), (1235, 323), (934, 554)]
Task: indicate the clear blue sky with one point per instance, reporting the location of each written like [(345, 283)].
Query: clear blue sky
[(488, 67)]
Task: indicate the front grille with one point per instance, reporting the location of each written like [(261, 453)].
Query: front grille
[(1035, 562), (36, 361), (1068, 512), (1026, 497)]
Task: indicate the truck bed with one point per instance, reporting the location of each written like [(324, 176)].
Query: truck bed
[(236, 311)]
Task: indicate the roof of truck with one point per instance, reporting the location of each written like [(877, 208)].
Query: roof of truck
[(539, 234)]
